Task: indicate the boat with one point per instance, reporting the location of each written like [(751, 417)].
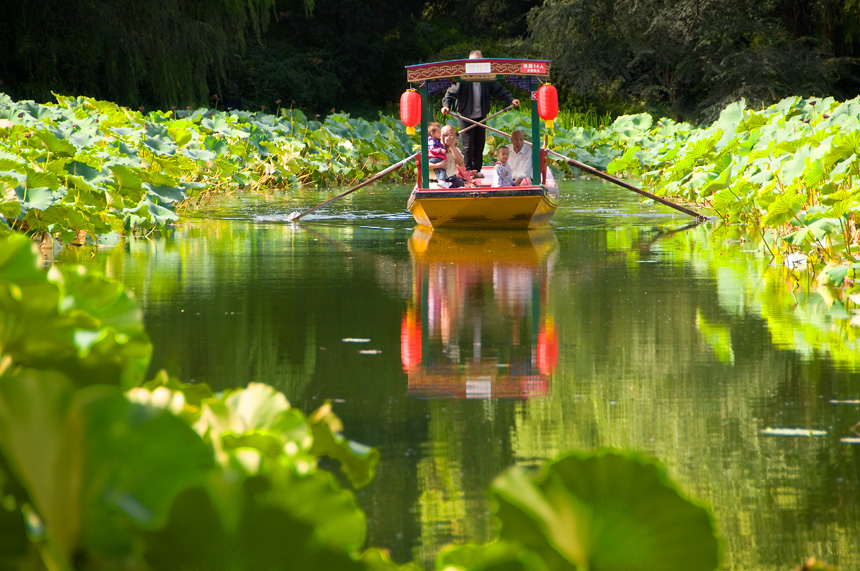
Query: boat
[(482, 206)]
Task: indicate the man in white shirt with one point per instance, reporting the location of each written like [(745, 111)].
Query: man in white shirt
[(521, 157)]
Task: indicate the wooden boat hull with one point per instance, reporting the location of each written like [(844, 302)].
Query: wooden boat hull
[(484, 206)]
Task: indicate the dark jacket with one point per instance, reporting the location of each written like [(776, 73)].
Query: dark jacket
[(459, 96)]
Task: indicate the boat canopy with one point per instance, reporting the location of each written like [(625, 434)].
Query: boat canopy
[(432, 78), (439, 75)]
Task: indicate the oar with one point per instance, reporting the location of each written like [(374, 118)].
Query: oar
[(395, 166), (296, 215), (603, 175)]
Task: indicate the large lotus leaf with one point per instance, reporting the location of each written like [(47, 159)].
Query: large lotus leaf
[(751, 121), (784, 208), (180, 135), (607, 511), (25, 289), (83, 139), (217, 145), (158, 214), (823, 226), (295, 116), (701, 179), (814, 174), (845, 116), (127, 133), (198, 154), (37, 191), (126, 177), (161, 145), (83, 325), (110, 326), (35, 110), (731, 116), (90, 459), (220, 125), (250, 526), (86, 175), (761, 177), (844, 145), (794, 167), (317, 498), (364, 130), (193, 393), (256, 416), (840, 203), (56, 145), (127, 155), (837, 273), (632, 125), (357, 461), (165, 194), (628, 162)]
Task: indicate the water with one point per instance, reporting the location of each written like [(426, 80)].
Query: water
[(459, 354)]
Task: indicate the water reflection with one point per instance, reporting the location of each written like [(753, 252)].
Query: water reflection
[(683, 345), (477, 325)]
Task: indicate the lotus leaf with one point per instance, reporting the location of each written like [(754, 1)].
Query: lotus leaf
[(604, 511), (249, 525), (121, 461), (357, 461), (56, 145)]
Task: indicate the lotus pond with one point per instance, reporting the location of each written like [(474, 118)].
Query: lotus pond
[(459, 354)]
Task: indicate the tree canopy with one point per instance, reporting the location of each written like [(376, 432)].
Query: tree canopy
[(685, 58)]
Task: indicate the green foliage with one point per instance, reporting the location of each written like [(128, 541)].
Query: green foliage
[(164, 52), (793, 167), (593, 511), (85, 168), (691, 59), (81, 325)]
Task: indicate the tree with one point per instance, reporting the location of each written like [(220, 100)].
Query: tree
[(159, 52), (689, 58)]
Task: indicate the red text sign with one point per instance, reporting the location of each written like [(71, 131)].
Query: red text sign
[(533, 67)]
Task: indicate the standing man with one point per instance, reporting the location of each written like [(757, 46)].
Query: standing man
[(521, 157), (472, 99)]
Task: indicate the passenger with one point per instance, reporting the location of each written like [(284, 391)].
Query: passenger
[(521, 158), (436, 153), (502, 171), (454, 167)]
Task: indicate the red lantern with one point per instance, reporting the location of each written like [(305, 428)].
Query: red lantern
[(410, 110), (547, 102)]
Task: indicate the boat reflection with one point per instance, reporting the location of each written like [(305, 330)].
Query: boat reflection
[(478, 324)]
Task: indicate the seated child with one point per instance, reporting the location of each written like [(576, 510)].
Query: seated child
[(502, 175), (436, 151)]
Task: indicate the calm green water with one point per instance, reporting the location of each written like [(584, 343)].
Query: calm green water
[(458, 354)]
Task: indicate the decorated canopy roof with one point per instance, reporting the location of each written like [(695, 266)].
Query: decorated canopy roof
[(486, 69)]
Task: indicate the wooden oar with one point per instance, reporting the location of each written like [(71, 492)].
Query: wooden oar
[(603, 175), (296, 215)]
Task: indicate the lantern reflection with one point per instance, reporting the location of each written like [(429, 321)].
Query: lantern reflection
[(478, 324)]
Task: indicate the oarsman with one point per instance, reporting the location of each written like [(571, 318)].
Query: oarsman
[(472, 99)]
